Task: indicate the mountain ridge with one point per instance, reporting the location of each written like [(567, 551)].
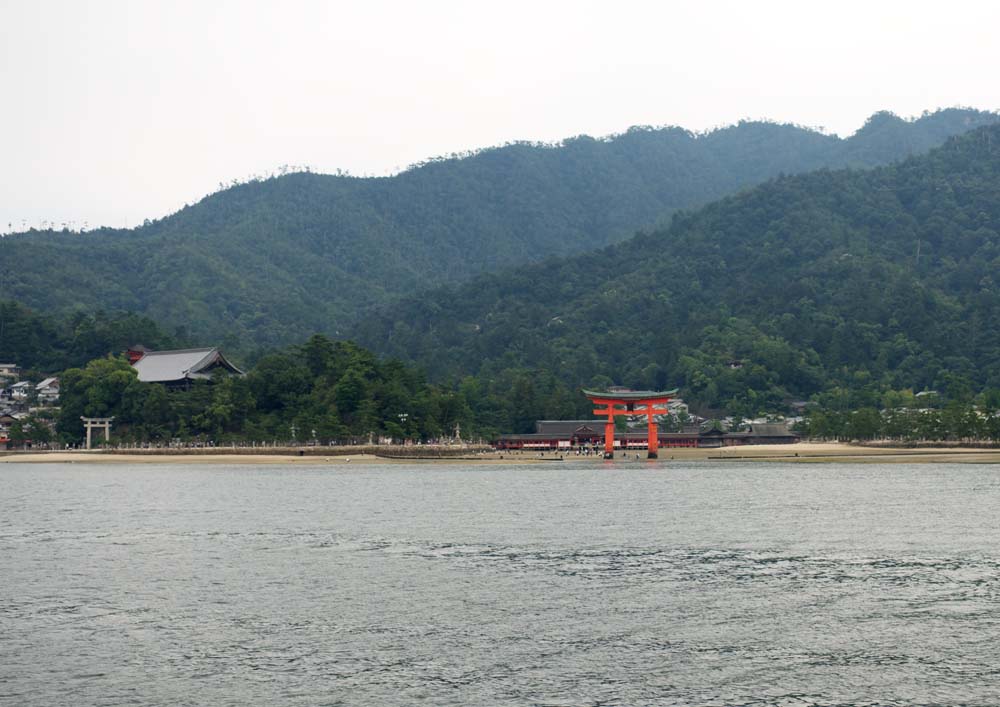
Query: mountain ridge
[(264, 263)]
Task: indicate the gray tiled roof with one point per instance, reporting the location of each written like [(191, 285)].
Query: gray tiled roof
[(166, 366), (568, 427)]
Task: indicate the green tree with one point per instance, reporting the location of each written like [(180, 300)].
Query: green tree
[(97, 390)]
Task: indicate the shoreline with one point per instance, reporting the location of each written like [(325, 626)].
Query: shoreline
[(802, 452)]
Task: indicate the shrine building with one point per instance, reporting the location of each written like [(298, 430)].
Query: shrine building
[(180, 368), (622, 402)]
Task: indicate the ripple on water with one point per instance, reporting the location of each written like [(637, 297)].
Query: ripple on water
[(393, 585)]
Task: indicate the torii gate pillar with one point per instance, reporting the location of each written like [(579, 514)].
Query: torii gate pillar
[(101, 422), (632, 402)]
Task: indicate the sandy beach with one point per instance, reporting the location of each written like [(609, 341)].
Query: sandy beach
[(803, 452)]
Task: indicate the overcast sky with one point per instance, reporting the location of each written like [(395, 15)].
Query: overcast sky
[(113, 112)]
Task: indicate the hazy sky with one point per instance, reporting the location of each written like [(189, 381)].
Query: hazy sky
[(113, 112)]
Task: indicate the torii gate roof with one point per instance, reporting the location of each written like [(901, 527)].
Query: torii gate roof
[(630, 394)]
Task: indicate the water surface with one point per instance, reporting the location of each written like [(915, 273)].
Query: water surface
[(563, 584)]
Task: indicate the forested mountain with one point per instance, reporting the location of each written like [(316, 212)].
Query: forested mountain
[(840, 285), (272, 261)]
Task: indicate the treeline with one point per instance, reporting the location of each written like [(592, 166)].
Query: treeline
[(337, 392), (321, 391), (908, 418), (267, 263), (866, 281)]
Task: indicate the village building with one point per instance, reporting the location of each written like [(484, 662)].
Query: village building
[(21, 391), (180, 368), (9, 371), (6, 420), (678, 408), (47, 392)]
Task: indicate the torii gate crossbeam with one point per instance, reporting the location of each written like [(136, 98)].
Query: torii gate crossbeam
[(631, 403)]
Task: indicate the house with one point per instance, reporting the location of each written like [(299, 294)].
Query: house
[(676, 407), (47, 392), (21, 391), (9, 371), (6, 420), (180, 368)]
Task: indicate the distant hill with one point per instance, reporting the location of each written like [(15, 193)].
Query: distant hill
[(265, 263), (841, 283)]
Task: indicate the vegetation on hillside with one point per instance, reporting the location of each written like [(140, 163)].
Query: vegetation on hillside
[(847, 283), (270, 262), (42, 344)]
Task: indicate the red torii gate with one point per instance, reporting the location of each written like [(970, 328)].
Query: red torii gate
[(646, 400)]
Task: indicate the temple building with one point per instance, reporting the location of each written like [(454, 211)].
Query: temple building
[(180, 368)]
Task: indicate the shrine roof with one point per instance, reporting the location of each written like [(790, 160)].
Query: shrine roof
[(168, 366), (630, 394), (569, 427)]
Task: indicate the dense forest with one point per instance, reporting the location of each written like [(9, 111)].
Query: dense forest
[(839, 286), (42, 344), (269, 262)]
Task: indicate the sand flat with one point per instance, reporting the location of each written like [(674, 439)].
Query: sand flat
[(99, 457)]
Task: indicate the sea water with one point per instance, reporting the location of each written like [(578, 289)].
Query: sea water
[(703, 583)]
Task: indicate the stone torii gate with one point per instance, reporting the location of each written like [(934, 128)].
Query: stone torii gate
[(99, 422), (646, 402)]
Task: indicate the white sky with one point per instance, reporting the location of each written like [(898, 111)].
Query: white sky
[(116, 111)]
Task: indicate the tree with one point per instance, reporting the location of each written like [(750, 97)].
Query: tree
[(97, 390), (32, 429)]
